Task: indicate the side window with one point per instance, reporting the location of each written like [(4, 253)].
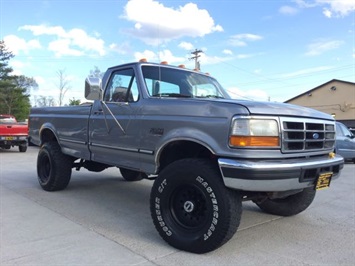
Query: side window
[(122, 87)]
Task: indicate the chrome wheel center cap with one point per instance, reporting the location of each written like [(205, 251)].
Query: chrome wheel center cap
[(189, 206)]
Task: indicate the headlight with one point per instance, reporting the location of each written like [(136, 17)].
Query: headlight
[(254, 132)]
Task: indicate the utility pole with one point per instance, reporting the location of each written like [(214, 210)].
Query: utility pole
[(196, 55)]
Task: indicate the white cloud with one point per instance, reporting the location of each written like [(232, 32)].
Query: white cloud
[(244, 56), (305, 4), (62, 47), (211, 60), (122, 48), (76, 42), (306, 71), (16, 44), (242, 39), (254, 94), (288, 10), (186, 45), (327, 13), (227, 51), (321, 46), (17, 64), (164, 55), (338, 7), (147, 54), (331, 8), (167, 55), (155, 23), (40, 80)]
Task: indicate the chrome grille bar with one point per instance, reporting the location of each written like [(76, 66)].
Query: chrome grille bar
[(307, 135)]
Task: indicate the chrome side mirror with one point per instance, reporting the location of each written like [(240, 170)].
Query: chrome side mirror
[(93, 89)]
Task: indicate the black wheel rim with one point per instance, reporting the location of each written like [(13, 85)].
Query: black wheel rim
[(188, 207)]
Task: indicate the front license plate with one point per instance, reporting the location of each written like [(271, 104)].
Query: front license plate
[(9, 138), (324, 180)]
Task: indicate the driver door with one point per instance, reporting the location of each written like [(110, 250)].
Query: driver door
[(114, 131)]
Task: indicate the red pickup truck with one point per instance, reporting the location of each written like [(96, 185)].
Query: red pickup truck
[(13, 133)]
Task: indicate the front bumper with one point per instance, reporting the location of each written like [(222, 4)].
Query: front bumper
[(277, 175)]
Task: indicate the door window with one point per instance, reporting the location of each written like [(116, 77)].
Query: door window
[(122, 87)]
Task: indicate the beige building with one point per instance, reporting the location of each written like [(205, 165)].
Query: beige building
[(336, 97)]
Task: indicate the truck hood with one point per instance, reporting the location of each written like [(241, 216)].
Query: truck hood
[(280, 109)]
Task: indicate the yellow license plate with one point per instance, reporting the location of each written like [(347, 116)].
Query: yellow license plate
[(324, 180), (9, 138)]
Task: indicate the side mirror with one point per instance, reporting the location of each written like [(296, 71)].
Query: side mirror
[(93, 89)]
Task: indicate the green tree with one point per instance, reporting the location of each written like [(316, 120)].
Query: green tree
[(14, 90), (74, 102)]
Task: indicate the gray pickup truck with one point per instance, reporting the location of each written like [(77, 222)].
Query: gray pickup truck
[(206, 152)]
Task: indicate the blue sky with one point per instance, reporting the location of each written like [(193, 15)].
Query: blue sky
[(260, 50)]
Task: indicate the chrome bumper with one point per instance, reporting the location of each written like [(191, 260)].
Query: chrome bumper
[(277, 175)]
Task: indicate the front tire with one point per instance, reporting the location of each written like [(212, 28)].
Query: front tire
[(53, 167), (290, 205), (192, 209)]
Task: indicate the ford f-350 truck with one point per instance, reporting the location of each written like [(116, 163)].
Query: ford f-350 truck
[(206, 152)]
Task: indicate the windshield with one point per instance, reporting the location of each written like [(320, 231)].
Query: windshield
[(7, 120), (170, 82), (342, 130)]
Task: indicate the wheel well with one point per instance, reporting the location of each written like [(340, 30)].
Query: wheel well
[(47, 135), (181, 150)]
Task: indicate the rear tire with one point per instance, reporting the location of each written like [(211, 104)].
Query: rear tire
[(22, 148), (53, 167), (131, 175), (290, 205), (192, 209)]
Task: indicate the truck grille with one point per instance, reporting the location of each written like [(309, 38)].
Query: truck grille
[(307, 135)]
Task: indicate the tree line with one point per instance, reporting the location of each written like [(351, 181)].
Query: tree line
[(15, 90)]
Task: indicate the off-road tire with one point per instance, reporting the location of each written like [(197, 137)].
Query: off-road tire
[(290, 205), (131, 175), (22, 148), (192, 209), (53, 167)]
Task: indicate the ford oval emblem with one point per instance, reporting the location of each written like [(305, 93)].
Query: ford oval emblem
[(315, 136)]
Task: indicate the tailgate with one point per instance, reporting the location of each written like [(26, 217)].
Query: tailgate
[(14, 130)]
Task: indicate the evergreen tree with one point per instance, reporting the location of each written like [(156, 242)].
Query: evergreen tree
[(73, 102), (14, 90)]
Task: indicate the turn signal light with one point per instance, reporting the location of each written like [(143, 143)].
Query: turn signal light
[(254, 141)]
